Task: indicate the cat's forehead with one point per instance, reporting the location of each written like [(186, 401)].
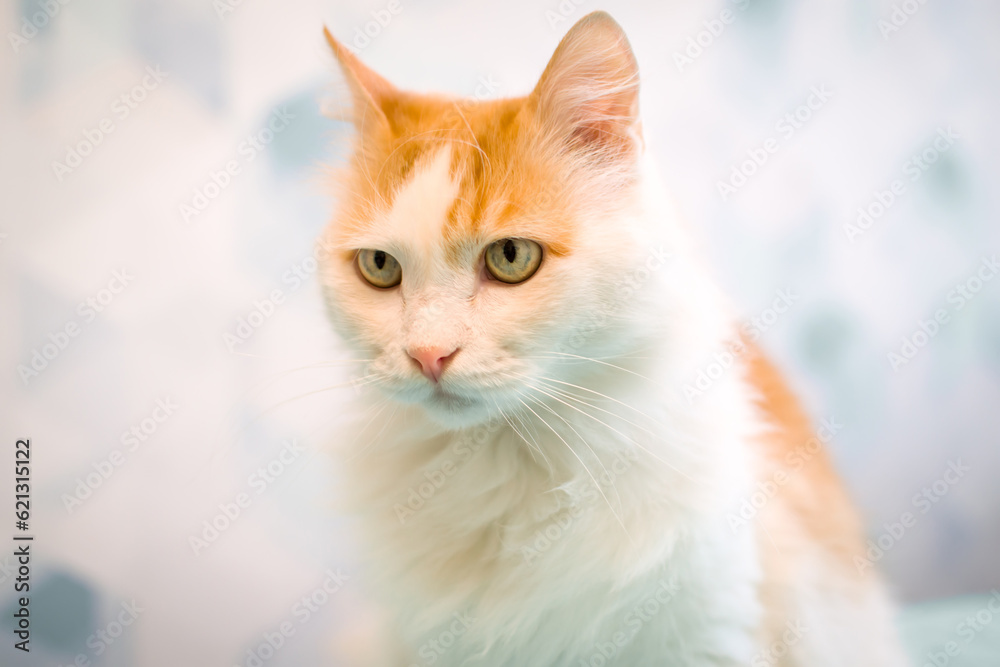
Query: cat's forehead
[(450, 174)]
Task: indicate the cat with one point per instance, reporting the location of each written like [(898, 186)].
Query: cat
[(533, 483)]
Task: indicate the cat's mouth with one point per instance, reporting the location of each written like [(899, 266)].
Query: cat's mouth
[(454, 408), (454, 402), (445, 398)]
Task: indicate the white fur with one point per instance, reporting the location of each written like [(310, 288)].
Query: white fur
[(529, 509), (667, 472)]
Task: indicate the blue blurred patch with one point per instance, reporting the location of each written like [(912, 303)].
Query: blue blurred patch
[(63, 612), (187, 45), (824, 341), (308, 139)]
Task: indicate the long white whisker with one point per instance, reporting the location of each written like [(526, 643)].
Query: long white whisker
[(382, 406), (254, 391), (590, 474), (604, 396), (528, 427), (573, 397), (627, 437), (365, 380), (584, 441), (604, 363), (532, 448)]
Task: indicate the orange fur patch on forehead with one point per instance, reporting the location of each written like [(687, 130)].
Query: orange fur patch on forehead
[(507, 185)]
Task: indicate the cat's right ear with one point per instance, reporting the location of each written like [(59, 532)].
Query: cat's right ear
[(370, 93), (588, 96)]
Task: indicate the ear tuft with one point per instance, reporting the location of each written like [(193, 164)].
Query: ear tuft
[(369, 91), (589, 92)]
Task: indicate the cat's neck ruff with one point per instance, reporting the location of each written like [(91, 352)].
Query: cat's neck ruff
[(596, 480)]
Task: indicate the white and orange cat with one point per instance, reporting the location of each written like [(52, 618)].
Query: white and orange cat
[(535, 486)]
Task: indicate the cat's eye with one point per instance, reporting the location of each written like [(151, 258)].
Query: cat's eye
[(513, 260), (379, 268)]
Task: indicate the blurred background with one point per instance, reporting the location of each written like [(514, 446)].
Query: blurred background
[(162, 185)]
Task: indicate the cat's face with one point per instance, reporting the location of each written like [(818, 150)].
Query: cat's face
[(474, 240)]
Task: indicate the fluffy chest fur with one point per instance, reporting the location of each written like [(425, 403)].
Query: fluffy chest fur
[(534, 484), (573, 525)]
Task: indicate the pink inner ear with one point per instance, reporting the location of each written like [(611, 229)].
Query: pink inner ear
[(604, 121), (589, 90)]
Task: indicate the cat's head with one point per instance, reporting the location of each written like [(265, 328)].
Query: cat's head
[(480, 244)]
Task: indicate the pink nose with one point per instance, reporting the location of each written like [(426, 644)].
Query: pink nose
[(432, 360)]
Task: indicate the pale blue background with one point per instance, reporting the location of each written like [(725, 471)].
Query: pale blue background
[(162, 336)]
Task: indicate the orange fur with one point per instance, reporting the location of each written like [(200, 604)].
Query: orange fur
[(811, 515), (558, 167), (512, 169), (814, 494)]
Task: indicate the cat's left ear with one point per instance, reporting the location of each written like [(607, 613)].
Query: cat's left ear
[(589, 92), (370, 92)]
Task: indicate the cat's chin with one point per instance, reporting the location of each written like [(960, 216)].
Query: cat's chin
[(453, 410)]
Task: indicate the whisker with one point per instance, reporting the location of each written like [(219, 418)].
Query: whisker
[(529, 428), (415, 137), (369, 379), (604, 363), (576, 398), (268, 411), (533, 445), (584, 441), (605, 396), (266, 382), (486, 158), (383, 404), (364, 163), (627, 437), (590, 474)]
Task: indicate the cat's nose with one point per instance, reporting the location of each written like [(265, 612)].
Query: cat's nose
[(432, 360)]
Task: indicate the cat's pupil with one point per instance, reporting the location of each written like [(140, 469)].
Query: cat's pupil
[(380, 259), (509, 251)]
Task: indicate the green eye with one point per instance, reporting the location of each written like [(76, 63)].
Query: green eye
[(379, 268), (513, 260)]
